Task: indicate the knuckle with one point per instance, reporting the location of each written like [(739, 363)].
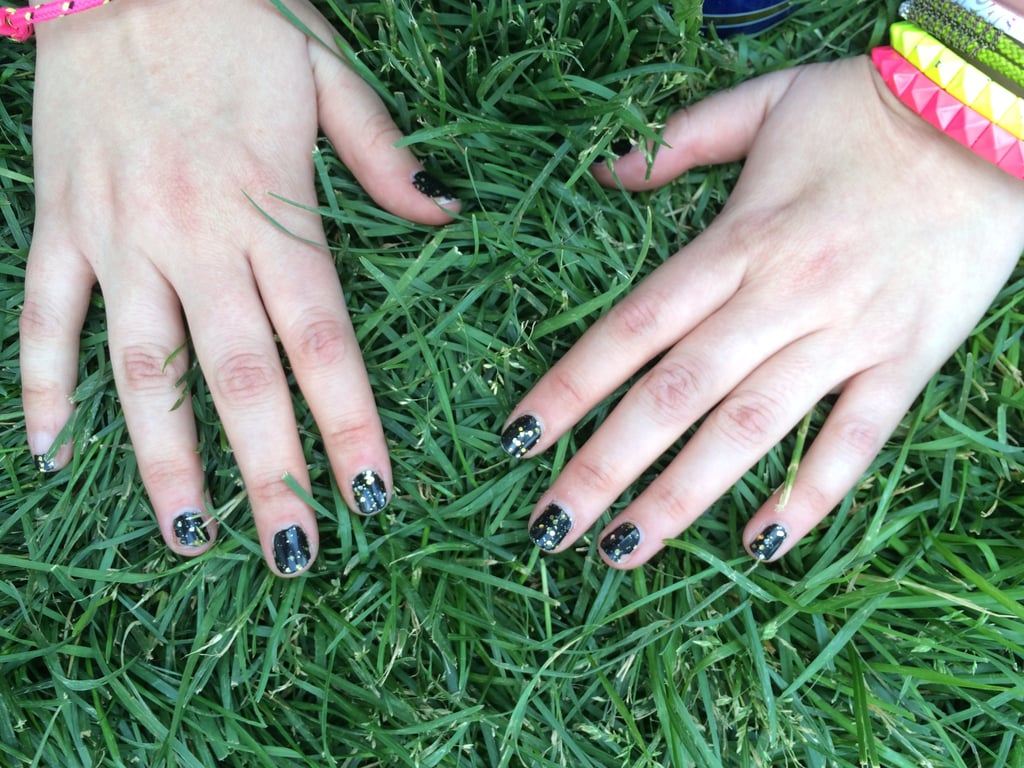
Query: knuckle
[(381, 131), (668, 504), (569, 389), (596, 476), (671, 391), (747, 419), (351, 432), (269, 490), (813, 498), (320, 343), (859, 436), (245, 377), (166, 474), (634, 316), (147, 368), (39, 321)]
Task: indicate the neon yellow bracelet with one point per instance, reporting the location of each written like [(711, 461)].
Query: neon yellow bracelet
[(958, 77)]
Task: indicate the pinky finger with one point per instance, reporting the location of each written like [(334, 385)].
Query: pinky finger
[(58, 285), (864, 416)]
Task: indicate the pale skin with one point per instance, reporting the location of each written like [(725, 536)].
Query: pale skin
[(153, 121), (833, 267), (857, 251)]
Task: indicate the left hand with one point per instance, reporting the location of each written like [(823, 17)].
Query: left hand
[(858, 249)]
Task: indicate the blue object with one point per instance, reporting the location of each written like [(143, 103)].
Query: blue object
[(731, 17)]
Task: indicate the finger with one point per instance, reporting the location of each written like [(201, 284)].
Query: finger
[(58, 286), (365, 137), (718, 129), (304, 299), (752, 418), (147, 340), (865, 415), (234, 343), (665, 402), (657, 313)]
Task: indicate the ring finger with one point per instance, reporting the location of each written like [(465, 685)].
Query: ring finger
[(147, 339), (682, 387)]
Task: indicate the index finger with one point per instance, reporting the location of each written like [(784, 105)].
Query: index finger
[(666, 306)]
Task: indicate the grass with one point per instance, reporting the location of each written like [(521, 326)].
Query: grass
[(434, 635)]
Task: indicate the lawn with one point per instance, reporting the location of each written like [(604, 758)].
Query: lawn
[(434, 634)]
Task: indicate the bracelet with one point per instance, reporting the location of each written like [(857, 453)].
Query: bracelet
[(17, 23), (967, 33), (953, 117), (964, 81), (999, 16)]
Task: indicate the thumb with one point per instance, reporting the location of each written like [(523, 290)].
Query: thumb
[(718, 129), (357, 123)]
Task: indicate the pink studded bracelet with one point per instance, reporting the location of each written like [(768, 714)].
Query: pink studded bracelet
[(947, 113), (17, 23)]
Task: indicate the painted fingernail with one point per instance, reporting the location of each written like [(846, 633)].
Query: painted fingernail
[(43, 463), (41, 445), (521, 435), (291, 550), (551, 527), (621, 147), (621, 542), (190, 529), (370, 492), (433, 187), (768, 541)]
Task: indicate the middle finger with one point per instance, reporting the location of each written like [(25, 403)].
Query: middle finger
[(687, 383), (235, 345)]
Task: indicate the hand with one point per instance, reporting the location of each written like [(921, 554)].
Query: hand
[(858, 249), (154, 124)]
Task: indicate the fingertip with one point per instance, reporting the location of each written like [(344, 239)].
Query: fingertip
[(44, 459), (521, 435), (370, 494), (424, 198), (768, 541), (292, 549), (190, 532), (620, 543), (550, 528)]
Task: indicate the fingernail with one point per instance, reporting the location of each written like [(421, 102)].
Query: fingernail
[(768, 541), (291, 550), (190, 529), (370, 492), (43, 463), (521, 435), (40, 444), (551, 527), (621, 542), (621, 147), (433, 187)]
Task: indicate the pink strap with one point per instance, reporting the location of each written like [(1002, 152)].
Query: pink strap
[(951, 116), (17, 23)]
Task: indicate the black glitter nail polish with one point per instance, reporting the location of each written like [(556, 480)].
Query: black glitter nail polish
[(521, 435), (43, 464), (370, 492), (621, 147), (551, 527), (432, 187), (768, 541), (190, 529), (291, 550), (621, 542)]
